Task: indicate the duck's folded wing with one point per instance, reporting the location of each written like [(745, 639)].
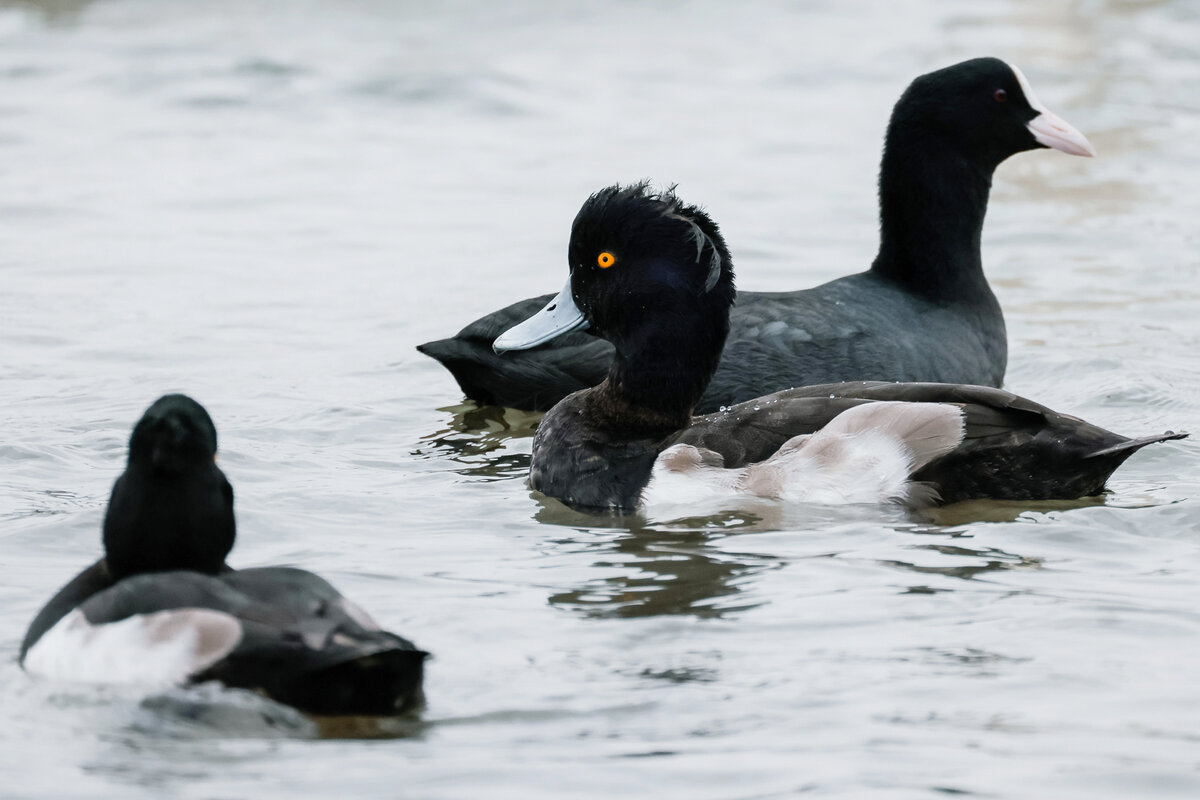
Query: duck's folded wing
[(754, 430), (312, 648), (531, 380), (284, 632), (1012, 448), (297, 607)]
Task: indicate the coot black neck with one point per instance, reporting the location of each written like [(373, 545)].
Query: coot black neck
[(932, 199)]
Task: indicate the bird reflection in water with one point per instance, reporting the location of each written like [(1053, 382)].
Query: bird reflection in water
[(690, 566), (967, 564), (652, 569), (477, 436)]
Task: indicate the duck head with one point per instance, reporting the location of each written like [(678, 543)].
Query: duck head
[(985, 109), (174, 434), (172, 508), (653, 276)]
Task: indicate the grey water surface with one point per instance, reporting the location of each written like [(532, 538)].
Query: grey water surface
[(268, 205)]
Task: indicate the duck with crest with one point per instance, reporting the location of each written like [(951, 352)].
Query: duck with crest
[(923, 311), (163, 607), (653, 276)]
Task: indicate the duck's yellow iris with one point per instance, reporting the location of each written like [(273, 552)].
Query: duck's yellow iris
[(606, 260)]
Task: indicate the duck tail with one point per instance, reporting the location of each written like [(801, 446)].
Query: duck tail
[(1130, 446), (387, 683)]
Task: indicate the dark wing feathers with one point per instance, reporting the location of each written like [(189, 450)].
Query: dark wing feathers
[(299, 644), (753, 431), (151, 592), (1013, 448)]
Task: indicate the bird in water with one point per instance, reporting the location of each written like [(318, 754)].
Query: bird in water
[(653, 276), (923, 311), (163, 607)]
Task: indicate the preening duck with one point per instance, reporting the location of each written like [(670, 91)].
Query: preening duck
[(163, 607), (922, 312), (653, 277)]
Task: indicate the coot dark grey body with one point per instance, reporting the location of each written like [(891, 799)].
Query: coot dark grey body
[(659, 302), (923, 312), (164, 584)]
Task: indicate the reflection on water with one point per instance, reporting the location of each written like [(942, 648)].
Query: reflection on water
[(966, 562), (649, 572), (54, 13), (1002, 510), (209, 711), (474, 436)]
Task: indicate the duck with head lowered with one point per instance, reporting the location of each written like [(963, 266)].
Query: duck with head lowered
[(653, 276), (923, 311), (163, 607)]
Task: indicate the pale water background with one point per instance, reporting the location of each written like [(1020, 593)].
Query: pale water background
[(267, 205)]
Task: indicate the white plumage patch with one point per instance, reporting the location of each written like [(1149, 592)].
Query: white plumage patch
[(161, 648), (1030, 97), (864, 455)]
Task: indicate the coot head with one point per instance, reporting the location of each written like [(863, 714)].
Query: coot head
[(985, 109)]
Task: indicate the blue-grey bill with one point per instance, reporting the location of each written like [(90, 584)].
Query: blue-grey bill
[(560, 316)]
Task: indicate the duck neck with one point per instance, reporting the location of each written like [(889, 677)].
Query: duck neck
[(158, 522), (658, 374), (932, 201)]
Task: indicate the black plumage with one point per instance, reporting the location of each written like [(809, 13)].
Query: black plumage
[(922, 312), (595, 449), (171, 483), (167, 532)]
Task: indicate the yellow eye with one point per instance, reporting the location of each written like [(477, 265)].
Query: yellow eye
[(606, 260)]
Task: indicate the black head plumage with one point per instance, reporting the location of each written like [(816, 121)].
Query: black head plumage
[(174, 433), (653, 275), (173, 507), (978, 108)]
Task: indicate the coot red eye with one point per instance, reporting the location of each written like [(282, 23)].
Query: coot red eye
[(1000, 95)]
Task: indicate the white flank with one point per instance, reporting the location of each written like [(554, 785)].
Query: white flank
[(161, 648), (864, 455), (693, 484)]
